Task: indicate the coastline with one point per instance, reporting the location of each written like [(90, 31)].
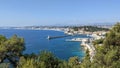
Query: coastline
[(86, 43), (91, 49), (57, 46), (85, 46), (59, 30)]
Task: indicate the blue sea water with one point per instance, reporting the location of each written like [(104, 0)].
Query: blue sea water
[(36, 41)]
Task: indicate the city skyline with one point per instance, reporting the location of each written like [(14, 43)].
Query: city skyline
[(58, 12)]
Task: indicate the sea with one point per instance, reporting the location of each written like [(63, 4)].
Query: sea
[(36, 41)]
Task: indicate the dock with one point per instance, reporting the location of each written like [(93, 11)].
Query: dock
[(76, 40)]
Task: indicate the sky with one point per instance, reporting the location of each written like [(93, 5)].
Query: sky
[(58, 12)]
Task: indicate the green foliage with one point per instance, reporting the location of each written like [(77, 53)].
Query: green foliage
[(108, 55), (99, 41), (3, 48), (86, 61), (26, 63), (113, 37), (11, 48), (4, 65), (47, 60), (75, 28), (15, 45), (63, 64), (44, 60), (73, 62)]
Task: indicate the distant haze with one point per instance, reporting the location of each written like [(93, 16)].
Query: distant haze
[(58, 12)]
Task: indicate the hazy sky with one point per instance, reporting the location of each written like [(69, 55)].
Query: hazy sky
[(58, 12)]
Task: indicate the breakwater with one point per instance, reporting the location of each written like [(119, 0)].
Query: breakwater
[(54, 37)]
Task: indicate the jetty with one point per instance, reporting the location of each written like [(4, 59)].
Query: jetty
[(77, 39), (54, 37)]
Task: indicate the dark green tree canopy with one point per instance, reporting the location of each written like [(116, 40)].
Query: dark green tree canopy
[(11, 48)]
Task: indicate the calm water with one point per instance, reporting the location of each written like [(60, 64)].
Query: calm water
[(35, 41)]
